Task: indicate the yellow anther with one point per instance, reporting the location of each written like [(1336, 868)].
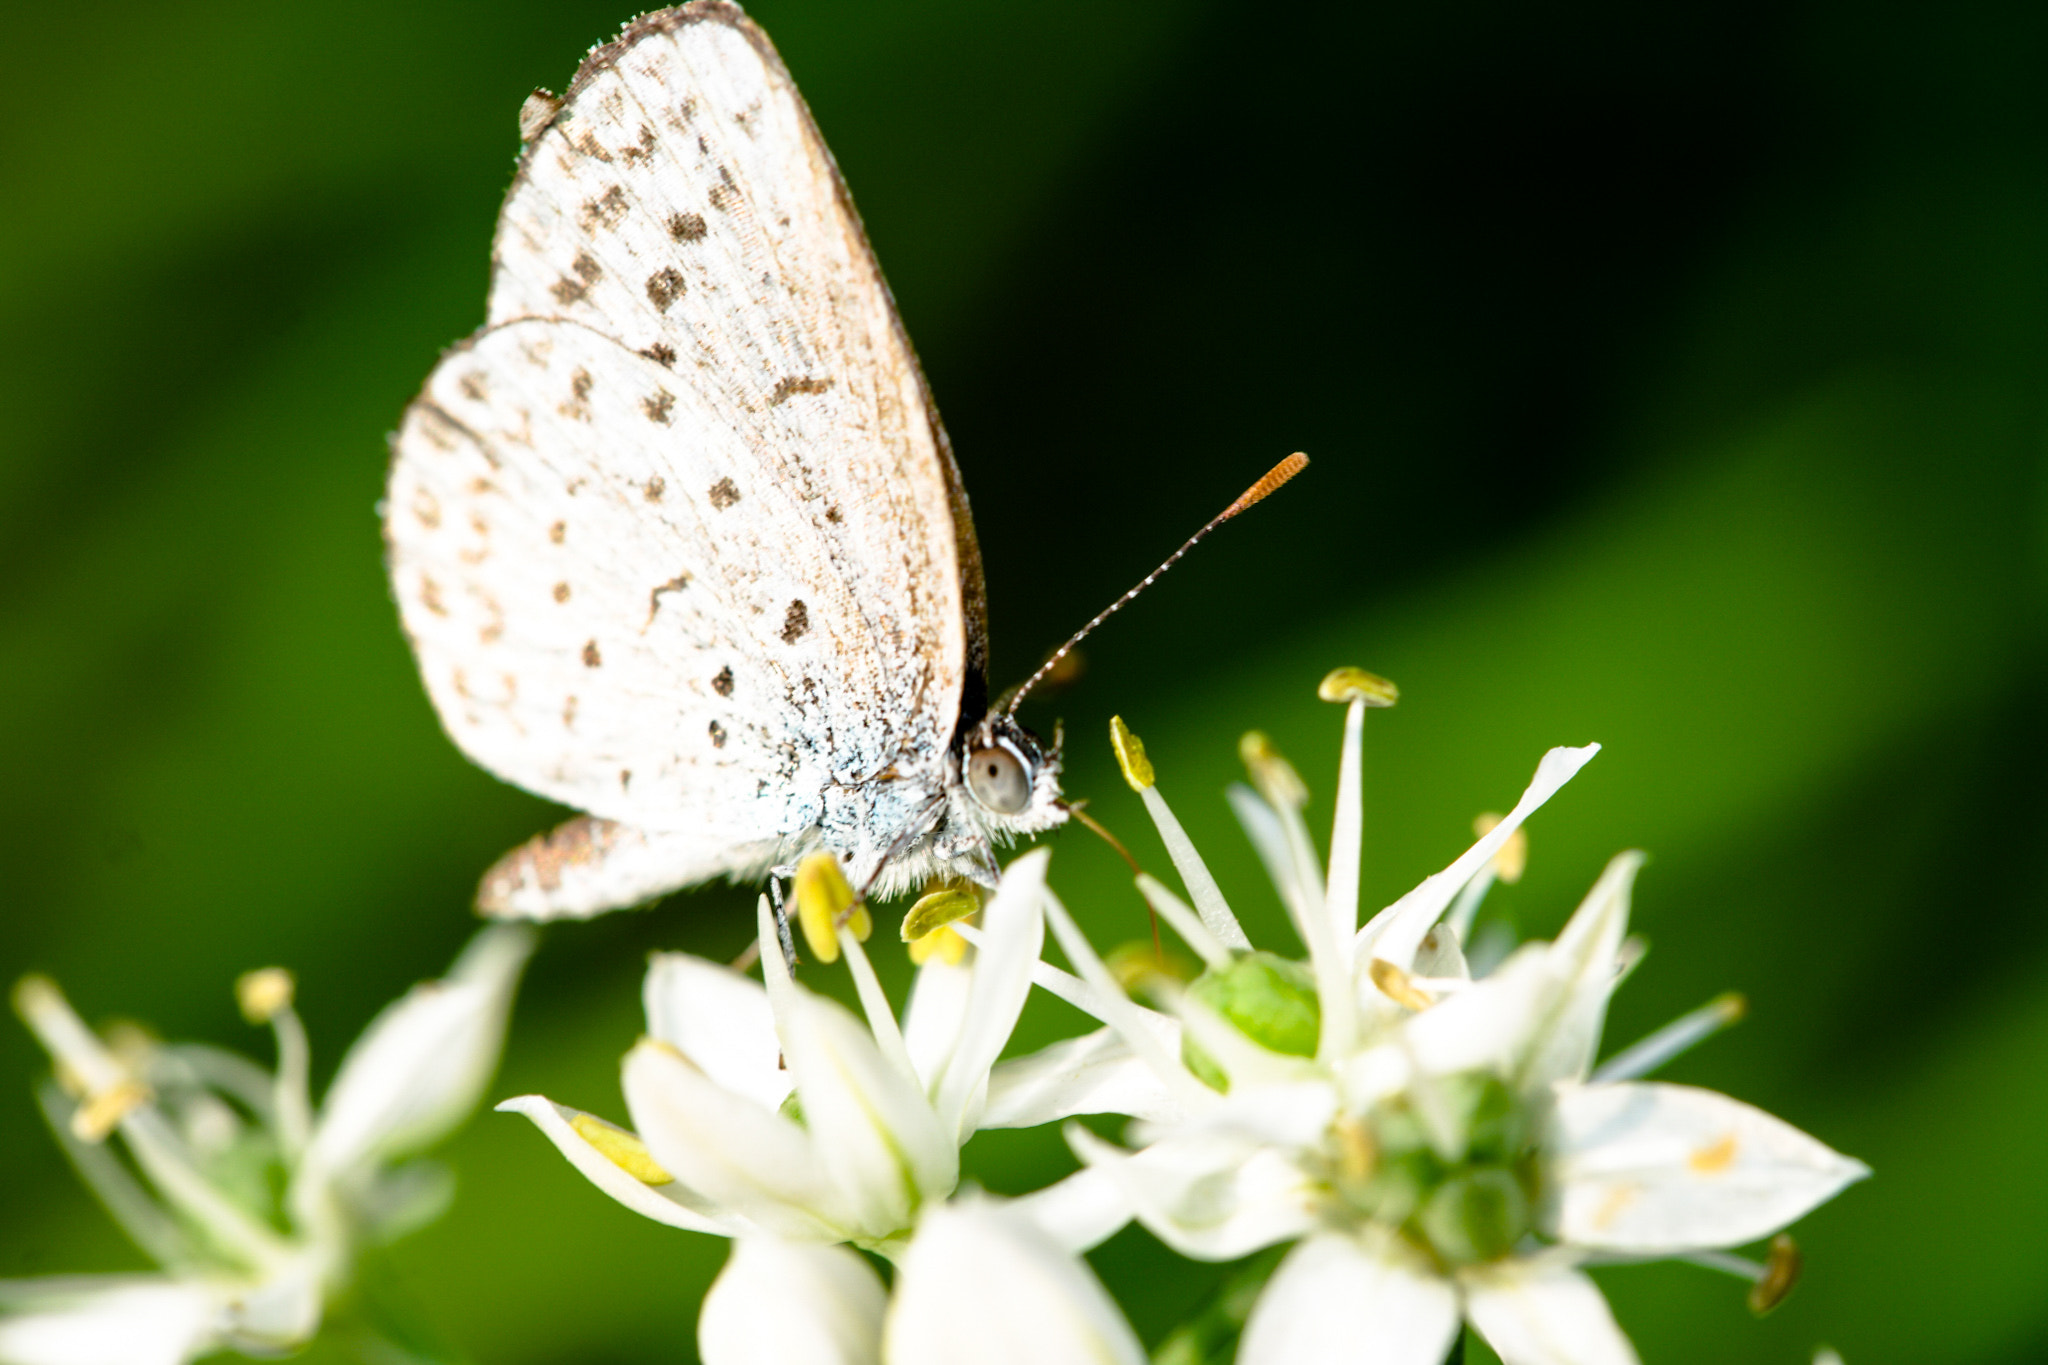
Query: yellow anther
[(1398, 985), (1781, 1275), (1731, 1007), (264, 993), (1355, 684), (100, 1115), (1357, 1154), (621, 1148), (1130, 755), (941, 943), (1273, 775), (1142, 969), (1513, 859), (935, 911), (35, 995), (824, 901)]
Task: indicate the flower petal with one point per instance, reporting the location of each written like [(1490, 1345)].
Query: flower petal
[(981, 1283), (111, 1320), (1209, 1198), (675, 1203), (1097, 1073), (932, 1018), (792, 1303), (1583, 962), (1395, 932), (873, 1130), (1080, 1212), (1342, 1299), (720, 1020), (751, 1162), (1652, 1168), (421, 1065), (1544, 1313), (1013, 931)]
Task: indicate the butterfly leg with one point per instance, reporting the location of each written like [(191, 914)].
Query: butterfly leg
[(777, 877)]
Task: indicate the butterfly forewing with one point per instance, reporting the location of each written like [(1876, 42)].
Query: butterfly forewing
[(674, 537)]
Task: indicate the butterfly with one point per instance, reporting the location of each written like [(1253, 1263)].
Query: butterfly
[(677, 536)]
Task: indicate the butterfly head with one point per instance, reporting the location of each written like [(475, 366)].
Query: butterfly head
[(1011, 776)]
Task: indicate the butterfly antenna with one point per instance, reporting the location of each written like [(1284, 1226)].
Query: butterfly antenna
[(1258, 492)]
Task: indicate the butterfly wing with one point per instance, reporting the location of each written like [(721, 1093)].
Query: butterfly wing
[(678, 537)]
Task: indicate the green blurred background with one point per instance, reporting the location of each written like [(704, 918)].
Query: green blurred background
[(1672, 376)]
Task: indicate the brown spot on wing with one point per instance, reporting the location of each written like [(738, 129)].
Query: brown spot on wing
[(643, 151), (578, 406), (591, 658), (536, 113), (795, 622), (430, 596), (722, 684), (662, 354), (664, 287), (474, 386), (561, 592), (686, 227), (724, 494), (717, 735), (654, 488), (558, 532), (676, 584), (832, 514), (658, 405), (588, 144), (788, 388), (606, 211), (588, 272)]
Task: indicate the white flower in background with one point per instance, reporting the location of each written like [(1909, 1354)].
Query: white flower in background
[(979, 1281), (1436, 1147), (253, 1204), (764, 1109)]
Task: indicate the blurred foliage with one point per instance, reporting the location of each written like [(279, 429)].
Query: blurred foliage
[(1673, 379)]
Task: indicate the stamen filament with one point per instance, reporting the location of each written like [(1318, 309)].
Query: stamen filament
[(1194, 873), (1679, 1036), (1184, 922), (1118, 1010)]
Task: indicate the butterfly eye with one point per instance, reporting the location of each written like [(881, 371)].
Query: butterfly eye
[(998, 779)]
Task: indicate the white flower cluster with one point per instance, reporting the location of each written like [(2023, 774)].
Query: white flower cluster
[(1421, 1133), (255, 1205), (1435, 1143)]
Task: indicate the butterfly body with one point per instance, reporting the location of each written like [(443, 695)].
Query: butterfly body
[(677, 537)]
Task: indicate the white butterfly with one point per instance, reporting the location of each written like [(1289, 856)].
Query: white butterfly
[(677, 537)]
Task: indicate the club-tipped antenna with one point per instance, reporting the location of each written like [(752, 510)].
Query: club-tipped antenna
[(1258, 492)]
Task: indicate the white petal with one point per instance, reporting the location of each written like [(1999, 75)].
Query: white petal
[(1339, 1299), (1647, 1167), (932, 1018), (106, 1321), (674, 1203), (1491, 1025), (872, 1128), (1289, 1114), (1096, 1073), (1395, 932), (1208, 1198), (981, 1284), (1013, 931), (720, 1020), (1544, 1314), (422, 1064), (792, 1303), (746, 1161), (1080, 1212), (1584, 961)]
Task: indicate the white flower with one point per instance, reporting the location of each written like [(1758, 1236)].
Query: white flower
[(979, 1281), (206, 1137), (768, 1110), (1438, 1147)]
